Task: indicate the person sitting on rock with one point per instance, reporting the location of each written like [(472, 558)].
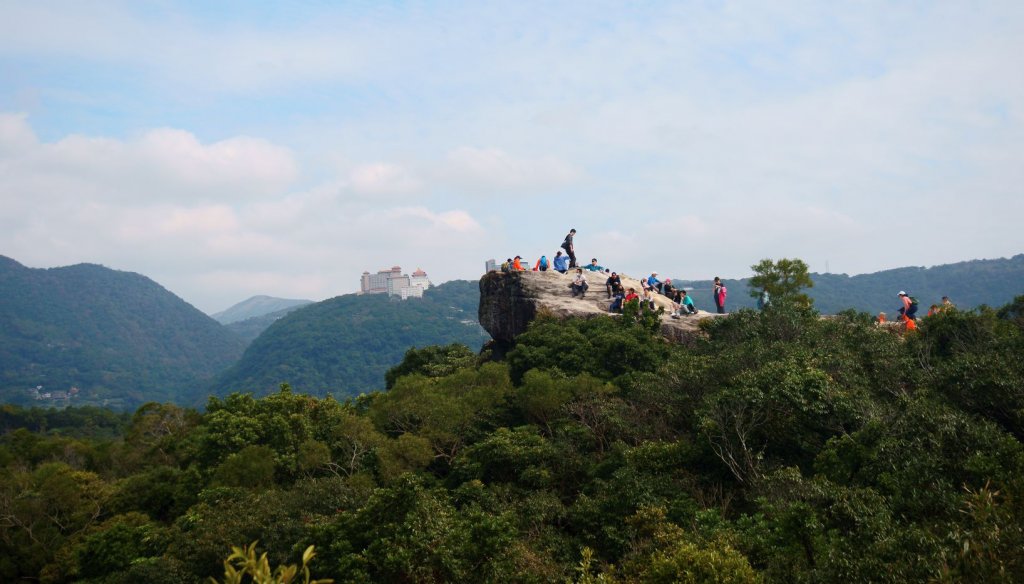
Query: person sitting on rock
[(613, 284), (579, 284), (593, 267), (631, 296), (541, 265), (517, 265), (652, 282), (617, 301), (561, 263), (667, 289), (647, 299), (684, 305)]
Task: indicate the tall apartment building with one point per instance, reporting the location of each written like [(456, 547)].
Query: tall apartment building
[(490, 266)]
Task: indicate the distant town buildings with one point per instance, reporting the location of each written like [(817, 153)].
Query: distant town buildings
[(394, 283), (491, 266), (64, 397)]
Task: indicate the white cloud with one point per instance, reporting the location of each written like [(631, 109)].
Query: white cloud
[(217, 248), (16, 134), (163, 164), (698, 136), (384, 179), (492, 169)]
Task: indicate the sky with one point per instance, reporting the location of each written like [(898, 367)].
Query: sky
[(229, 149)]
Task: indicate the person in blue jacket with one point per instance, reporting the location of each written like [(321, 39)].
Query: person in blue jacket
[(561, 263), (593, 267), (653, 283)]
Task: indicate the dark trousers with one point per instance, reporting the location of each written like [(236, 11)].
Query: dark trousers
[(720, 307), (572, 259)]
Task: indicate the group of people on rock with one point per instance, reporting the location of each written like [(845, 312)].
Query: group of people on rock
[(682, 304), (564, 263), (908, 310)]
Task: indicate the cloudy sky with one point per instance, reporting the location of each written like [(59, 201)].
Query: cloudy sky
[(230, 149)]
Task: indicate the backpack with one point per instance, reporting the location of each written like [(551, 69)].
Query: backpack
[(544, 262), (505, 267), (913, 301)]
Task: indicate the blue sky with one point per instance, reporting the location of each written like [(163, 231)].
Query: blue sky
[(233, 149)]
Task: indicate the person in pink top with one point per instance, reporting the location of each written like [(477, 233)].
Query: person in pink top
[(718, 293)]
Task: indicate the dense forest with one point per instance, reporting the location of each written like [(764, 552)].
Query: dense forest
[(777, 447), (344, 345), (118, 337)]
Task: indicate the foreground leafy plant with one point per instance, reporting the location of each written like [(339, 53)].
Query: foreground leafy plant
[(243, 562)]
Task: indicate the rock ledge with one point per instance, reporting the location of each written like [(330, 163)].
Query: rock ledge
[(510, 301)]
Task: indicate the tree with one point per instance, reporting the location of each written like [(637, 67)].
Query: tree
[(783, 279)]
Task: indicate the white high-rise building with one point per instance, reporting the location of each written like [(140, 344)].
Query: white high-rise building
[(395, 283)]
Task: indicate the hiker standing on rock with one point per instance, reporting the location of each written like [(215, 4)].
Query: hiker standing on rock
[(570, 249), (718, 293)]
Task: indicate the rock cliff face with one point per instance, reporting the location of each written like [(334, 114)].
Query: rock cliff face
[(508, 302)]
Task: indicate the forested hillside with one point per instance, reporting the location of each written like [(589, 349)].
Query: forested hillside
[(968, 284), (118, 337), (344, 345), (782, 448)]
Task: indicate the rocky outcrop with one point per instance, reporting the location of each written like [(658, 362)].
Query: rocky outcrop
[(510, 301)]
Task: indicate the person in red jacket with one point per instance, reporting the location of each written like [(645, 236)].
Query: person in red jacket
[(518, 265), (631, 296)]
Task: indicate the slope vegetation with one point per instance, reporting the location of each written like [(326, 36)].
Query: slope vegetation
[(119, 337), (344, 345)]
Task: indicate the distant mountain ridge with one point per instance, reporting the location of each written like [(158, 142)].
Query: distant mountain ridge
[(253, 327), (969, 284), (119, 337), (257, 306)]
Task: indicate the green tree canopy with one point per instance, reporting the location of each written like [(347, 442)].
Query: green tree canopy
[(783, 279)]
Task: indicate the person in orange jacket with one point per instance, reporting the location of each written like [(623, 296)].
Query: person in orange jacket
[(908, 324), (518, 265)]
